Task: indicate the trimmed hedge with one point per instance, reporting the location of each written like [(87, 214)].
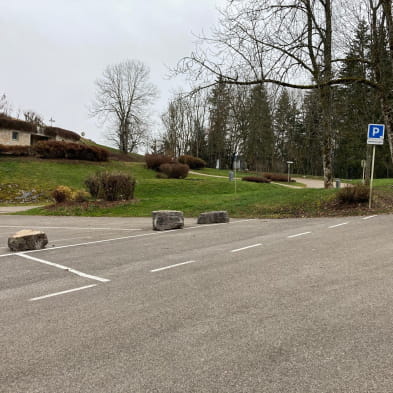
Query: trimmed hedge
[(15, 150), (175, 170), (153, 161), (69, 150), (192, 162), (111, 186), (256, 179), (277, 176)]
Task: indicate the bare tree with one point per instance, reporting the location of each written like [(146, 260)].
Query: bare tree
[(185, 124), (381, 22), (33, 117), (288, 43), (5, 107), (123, 96)]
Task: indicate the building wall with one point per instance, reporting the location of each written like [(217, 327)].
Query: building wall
[(61, 139), (24, 138), (6, 138)]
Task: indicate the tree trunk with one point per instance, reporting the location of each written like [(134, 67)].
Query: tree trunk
[(387, 111)]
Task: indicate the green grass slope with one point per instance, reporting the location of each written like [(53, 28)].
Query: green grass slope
[(192, 195)]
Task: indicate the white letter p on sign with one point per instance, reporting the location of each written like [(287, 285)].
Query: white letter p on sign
[(375, 131)]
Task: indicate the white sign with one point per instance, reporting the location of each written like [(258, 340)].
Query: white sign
[(375, 134)]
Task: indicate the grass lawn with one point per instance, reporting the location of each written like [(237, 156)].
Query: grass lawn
[(192, 195)]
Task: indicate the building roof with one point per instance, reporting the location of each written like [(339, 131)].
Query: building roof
[(9, 123)]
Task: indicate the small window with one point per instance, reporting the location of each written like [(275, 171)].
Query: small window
[(15, 135)]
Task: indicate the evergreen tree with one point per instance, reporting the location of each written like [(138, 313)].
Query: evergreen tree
[(286, 127), (307, 138), (259, 136), (356, 106), (218, 126)]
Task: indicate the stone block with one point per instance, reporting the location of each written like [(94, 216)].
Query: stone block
[(27, 239), (164, 220), (214, 217)]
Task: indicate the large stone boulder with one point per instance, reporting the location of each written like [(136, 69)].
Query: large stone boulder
[(27, 239), (215, 217), (164, 220)]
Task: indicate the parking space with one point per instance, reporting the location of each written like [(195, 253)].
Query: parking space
[(197, 309), (97, 250)]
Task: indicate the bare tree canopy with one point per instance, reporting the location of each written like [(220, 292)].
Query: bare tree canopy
[(123, 96), (5, 107), (297, 44)]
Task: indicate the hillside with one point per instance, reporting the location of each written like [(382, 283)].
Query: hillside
[(115, 154), (27, 180)]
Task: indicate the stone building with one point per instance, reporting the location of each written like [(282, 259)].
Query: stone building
[(14, 132)]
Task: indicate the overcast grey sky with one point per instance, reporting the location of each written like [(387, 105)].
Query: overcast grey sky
[(52, 51)]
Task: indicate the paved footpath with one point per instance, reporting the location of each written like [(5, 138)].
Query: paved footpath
[(15, 209), (310, 183)]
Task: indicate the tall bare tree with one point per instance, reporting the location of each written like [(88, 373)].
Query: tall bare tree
[(283, 42), (33, 117), (5, 107), (185, 124), (123, 96), (381, 21)]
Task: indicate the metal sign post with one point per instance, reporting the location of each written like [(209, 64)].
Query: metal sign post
[(371, 180), (236, 165), (375, 135), (289, 170), (363, 164)]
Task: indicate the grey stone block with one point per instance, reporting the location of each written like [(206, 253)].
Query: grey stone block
[(27, 239), (214, 217), (164, 220)]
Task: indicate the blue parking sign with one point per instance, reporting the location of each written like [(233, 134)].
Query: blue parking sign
[(375, 134)]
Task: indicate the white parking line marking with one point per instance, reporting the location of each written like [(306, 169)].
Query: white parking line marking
[(298, 234), (245, 248), (367, 218), (338, 225), (71, 238), (86, 243), (117, 238), (171, 266), (220, 223), (77, 272), (62, 292), (88, 228)]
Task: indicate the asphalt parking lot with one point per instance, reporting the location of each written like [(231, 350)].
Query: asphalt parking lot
[(250, 306)]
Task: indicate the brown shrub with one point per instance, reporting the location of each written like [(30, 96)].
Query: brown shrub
[(80, 196), (69, 150), (277, 176), (350, 195), (111, 186), (192, 162), (62, 194), (256, 179), (16, 150), (175, 170), (153, 161)]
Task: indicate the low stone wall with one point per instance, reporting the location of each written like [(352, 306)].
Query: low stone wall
[(214, 217), (164, 220)]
